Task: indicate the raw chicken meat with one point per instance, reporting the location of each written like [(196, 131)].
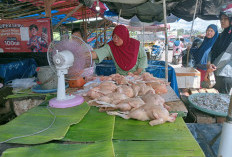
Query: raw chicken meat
[(140, 89), (153, 110), (128, 104), (149, 77), (151, 98), (160, 88), (124, 105), (102, 89), (125, 89), (136, 77), (136, 89), (108, 85), (119, 79), (112, 98), (122, 96), (94, 93)]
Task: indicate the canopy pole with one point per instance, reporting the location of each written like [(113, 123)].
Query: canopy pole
[(67, 16), (166, 40), (97, 34), (143, 34), (120, 11), (194, 15)]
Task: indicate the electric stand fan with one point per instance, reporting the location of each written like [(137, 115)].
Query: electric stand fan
[(68, 56)]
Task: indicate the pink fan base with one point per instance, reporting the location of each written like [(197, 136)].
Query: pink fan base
[(77, 100)]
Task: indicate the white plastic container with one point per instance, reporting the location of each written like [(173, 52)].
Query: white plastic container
[(188, 77)]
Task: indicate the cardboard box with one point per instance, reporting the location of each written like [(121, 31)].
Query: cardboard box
[(188, 77)]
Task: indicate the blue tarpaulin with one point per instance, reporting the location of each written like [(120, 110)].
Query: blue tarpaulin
[(17, 68), (157, 68)]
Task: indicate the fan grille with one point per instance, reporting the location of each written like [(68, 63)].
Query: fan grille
[(81, 52)]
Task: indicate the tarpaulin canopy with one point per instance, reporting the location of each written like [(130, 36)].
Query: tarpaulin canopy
[(153, 28), (152, 10), (59, 10), (134, 21), (145, 10)]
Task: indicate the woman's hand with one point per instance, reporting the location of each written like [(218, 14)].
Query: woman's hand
[(138, 71), (206, 79), (189, 46), (94, 55), (211, 68)]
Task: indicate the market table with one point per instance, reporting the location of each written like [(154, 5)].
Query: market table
[(83, 131)]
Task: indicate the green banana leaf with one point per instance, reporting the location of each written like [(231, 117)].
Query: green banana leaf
[(98, 149), (141, 130), (130, 138), (157, 148), (28, 93), (95, 126), (39, 118)]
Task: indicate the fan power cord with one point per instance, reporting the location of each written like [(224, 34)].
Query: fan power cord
[(38, 132)]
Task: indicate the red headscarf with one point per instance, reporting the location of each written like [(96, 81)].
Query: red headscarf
[(125, 55)]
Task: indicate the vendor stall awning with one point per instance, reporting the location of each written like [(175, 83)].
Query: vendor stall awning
[(152, 10)]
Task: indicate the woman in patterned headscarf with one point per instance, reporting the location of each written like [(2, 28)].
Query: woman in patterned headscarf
[(127, 53), (200, 55), (220, 57)]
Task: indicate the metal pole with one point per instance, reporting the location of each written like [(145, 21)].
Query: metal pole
[(143, 34), (194, 15), (120, 11), (166, 40), (226, 137)]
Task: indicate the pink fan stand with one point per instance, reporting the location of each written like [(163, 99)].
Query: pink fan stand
[(77, 100)]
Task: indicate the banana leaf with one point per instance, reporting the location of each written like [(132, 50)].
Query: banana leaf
[(98, 149), (95, 126), (29, 93), (157, 148), (39, 118), (140, 130)]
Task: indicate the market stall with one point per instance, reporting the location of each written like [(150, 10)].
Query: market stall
[(83, 130), (97, 134)]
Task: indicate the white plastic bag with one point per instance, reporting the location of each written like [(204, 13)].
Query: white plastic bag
[(22, 83)]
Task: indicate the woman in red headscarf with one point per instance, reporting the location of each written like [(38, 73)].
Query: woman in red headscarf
[(127, 53)]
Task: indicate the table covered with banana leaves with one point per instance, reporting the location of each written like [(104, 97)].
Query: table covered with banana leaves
[(84, 131)]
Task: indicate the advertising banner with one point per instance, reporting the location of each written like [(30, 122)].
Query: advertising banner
[(25, 35)]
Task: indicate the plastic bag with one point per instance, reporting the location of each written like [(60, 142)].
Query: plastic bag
[(22, 83), (89, 85)]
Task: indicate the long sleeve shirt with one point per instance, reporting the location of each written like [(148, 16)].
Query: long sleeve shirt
[(105, 51)]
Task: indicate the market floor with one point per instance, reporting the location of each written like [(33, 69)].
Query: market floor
[(206, 136)]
